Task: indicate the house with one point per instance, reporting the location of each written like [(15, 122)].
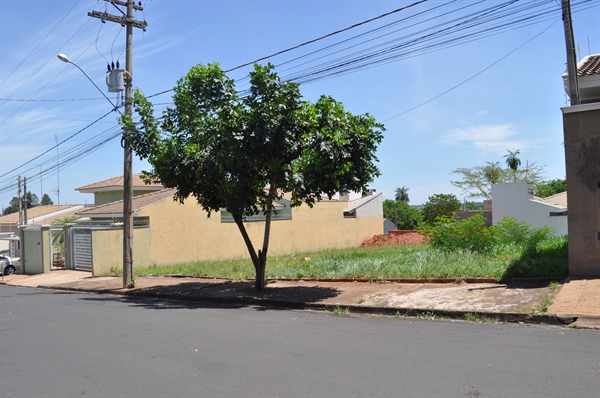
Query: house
[(588, 73), (111, 190), (581, 127), (517, 201), (10, 228), (167, 232)]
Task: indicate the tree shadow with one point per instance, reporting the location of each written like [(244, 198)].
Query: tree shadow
[(193, 295), (547, 264)]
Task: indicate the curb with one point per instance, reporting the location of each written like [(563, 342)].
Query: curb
[(507, 317)]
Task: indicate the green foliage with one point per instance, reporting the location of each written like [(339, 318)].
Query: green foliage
[(32, 201), (550, 187), (46, 201), (224, 149), (401, 214), (440, 205), (470, 205), (449, 233)]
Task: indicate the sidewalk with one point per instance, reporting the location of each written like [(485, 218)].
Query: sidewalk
[(576, 302)]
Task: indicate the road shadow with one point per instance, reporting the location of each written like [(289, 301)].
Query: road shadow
[(192, 295)]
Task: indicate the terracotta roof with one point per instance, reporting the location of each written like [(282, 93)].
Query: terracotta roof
[(117, 182), (139, 202), (44, 212), (559, 198), (590, 65)]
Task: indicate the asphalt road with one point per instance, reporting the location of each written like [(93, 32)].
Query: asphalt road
[(64, 344)]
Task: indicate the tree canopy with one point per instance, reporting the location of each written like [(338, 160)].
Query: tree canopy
[(440, 205), (477, 181), (550, 187), (242, 153), (401, 214)]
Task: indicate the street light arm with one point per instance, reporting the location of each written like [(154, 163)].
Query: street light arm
[(64, 58)]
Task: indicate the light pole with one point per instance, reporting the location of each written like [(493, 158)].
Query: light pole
[(64, 58)]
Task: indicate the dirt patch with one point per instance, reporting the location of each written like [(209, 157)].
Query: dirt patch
[(410, 238)]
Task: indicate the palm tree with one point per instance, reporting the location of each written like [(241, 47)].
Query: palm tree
[(513, 162), (493, 172), (402, 194)]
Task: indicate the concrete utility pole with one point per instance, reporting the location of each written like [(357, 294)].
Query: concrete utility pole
[(20, 196), (571, 55), (25, 200), (126, 20)]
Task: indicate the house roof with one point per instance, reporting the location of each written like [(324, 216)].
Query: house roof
[(589, 65), (560, 199), (356, 203), (46, 214), (116, 183), (115, 209)]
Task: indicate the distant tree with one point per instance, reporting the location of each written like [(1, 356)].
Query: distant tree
[(32, 200), (440, 205), (242, 153), (477, 181), (46, 200), (13, 206), (513, 162), (402, 194), (470, 205), (401, 214), (551, 187)]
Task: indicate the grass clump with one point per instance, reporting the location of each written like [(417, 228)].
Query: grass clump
[(479, 318)]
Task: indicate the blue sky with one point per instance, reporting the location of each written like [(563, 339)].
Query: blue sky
[(510, 99)]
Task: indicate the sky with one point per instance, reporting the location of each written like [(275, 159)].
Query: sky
[(445, 103)]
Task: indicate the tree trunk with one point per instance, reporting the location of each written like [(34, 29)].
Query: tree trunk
[(259, 281)]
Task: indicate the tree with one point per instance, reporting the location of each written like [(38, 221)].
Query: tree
[(46, 201), (551, 187), (13, 206), (513, 162), (242, 153), (32, 200), (402, 194), (477, 181), (401, 214), (440, 205)]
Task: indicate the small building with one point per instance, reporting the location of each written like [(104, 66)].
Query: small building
[(517, 200)]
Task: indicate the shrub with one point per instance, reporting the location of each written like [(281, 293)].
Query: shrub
[(440, 205), (451, 234)]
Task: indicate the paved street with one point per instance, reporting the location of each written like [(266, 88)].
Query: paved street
[(68, 344)]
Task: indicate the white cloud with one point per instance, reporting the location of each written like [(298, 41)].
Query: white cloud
[(492, 139), (482, 113)]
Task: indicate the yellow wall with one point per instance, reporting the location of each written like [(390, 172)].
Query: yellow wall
[(182, 233), (107, 247)]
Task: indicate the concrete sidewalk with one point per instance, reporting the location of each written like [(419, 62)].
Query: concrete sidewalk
[(576, 302)]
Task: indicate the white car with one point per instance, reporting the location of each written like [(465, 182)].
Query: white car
[(9, 265)]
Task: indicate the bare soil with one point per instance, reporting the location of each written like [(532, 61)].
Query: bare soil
[(410, 238)]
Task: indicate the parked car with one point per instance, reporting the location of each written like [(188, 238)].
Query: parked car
[(9, 265)]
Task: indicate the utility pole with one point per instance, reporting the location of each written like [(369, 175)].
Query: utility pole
[(128, 21), (25, 200), (571, 56), (20, 196)]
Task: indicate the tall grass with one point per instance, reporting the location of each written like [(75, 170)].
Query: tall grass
[(549, 259)]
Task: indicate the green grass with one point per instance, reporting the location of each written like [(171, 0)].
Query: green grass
[(417, 261), (479, 318), (547, 299)]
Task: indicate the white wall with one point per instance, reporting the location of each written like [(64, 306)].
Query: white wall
[(515, 201)]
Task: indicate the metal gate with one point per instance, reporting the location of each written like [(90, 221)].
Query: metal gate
[(82, 248), (57, 248)]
